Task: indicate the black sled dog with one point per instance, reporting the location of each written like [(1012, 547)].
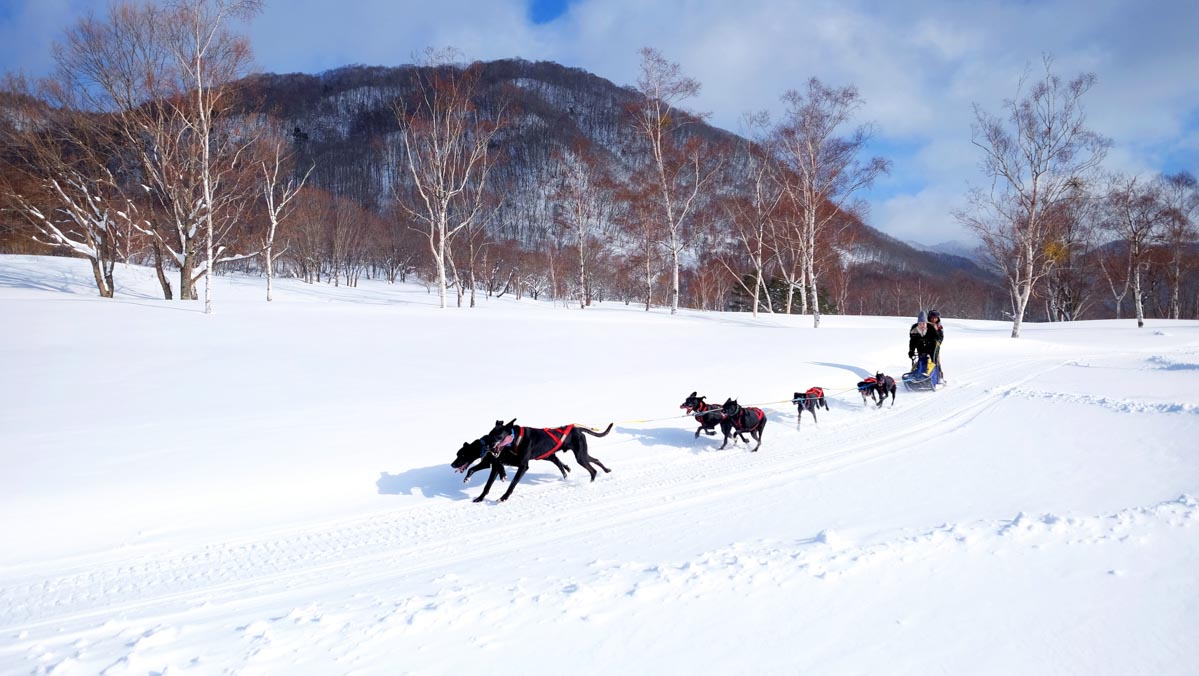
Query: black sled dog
[(708, 416), (537, 443), (808, 401), (748, 419), (867, 390), (883, 386), (477, 450)]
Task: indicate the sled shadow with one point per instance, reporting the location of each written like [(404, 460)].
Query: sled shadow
[(440, 481), (858, 371)]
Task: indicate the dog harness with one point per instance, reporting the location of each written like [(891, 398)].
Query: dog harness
[(739, 419), (815, 393), (704, 408), (559, 436), (868, 383)]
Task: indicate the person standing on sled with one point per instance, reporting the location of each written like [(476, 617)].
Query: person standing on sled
[(934, 322), (922, 343)]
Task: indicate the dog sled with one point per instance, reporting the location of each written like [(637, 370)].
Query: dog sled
[(924, 376)]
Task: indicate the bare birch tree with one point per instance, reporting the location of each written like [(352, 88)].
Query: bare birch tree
[(1032, 155), (824, 170), (447, 141), (790, 251), (1136, 214), (63, 181), (682, 169), (584, 197), (280, 187), (752, 214), (208, 59), (164, 74), (1180, 192), (1072, 227)]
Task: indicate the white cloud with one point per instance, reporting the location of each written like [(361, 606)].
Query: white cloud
[(924, 216)]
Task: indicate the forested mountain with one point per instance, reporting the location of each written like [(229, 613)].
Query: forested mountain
[(343, 123)]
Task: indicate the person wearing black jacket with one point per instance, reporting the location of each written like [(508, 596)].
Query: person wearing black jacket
[(934, 322), (922, 339)]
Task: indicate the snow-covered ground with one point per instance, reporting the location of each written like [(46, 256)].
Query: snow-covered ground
[(268, 490)]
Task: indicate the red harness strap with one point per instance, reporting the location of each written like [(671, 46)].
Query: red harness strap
[(815, 392), (559, 436), (744, 417), (761, 417)]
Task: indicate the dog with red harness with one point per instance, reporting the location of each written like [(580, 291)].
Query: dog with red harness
[(742, 419), (537, 443), (866, 388), (884, 386), (709, 416), (478, 450), (809, 401)]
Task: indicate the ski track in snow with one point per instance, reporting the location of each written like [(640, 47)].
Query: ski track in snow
[(1110, 403), (56, 618), (431, 533)]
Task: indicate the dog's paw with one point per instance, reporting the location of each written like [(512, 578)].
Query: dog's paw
[(478, 499)]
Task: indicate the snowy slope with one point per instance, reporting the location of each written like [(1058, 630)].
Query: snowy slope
[(268, 490)]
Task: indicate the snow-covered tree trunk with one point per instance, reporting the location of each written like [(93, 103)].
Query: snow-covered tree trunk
[(439, 263), (812, 287), (270, 270), (674, 277), (1021, 293), (1138, 300)]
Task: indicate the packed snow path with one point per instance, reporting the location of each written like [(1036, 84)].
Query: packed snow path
[(1036, 515)]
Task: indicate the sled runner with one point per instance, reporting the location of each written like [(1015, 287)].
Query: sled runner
[(924, 376)]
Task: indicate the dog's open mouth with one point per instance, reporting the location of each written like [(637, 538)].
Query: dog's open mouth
[(459, 470)]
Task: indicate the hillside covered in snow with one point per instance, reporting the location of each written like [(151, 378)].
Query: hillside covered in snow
[(268, 489)]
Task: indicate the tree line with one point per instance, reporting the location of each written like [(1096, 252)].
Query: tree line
[(150, 143)]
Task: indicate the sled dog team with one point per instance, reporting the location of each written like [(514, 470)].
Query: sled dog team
[(516, 445)]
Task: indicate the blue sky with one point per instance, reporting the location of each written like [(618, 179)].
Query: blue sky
[(920, 65), (544, 11)]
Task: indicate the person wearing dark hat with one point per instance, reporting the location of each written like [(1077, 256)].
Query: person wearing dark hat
[(922, 340), (934, 322)]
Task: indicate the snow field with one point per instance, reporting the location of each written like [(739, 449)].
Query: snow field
[(268, 490)]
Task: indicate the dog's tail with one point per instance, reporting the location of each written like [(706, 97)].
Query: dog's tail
[(593, 433)]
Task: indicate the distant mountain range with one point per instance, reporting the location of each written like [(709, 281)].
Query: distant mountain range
[(343, 121), (953, 248)]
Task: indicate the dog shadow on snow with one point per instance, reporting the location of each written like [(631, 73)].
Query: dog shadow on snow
[(682, 436), (440, 481)]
